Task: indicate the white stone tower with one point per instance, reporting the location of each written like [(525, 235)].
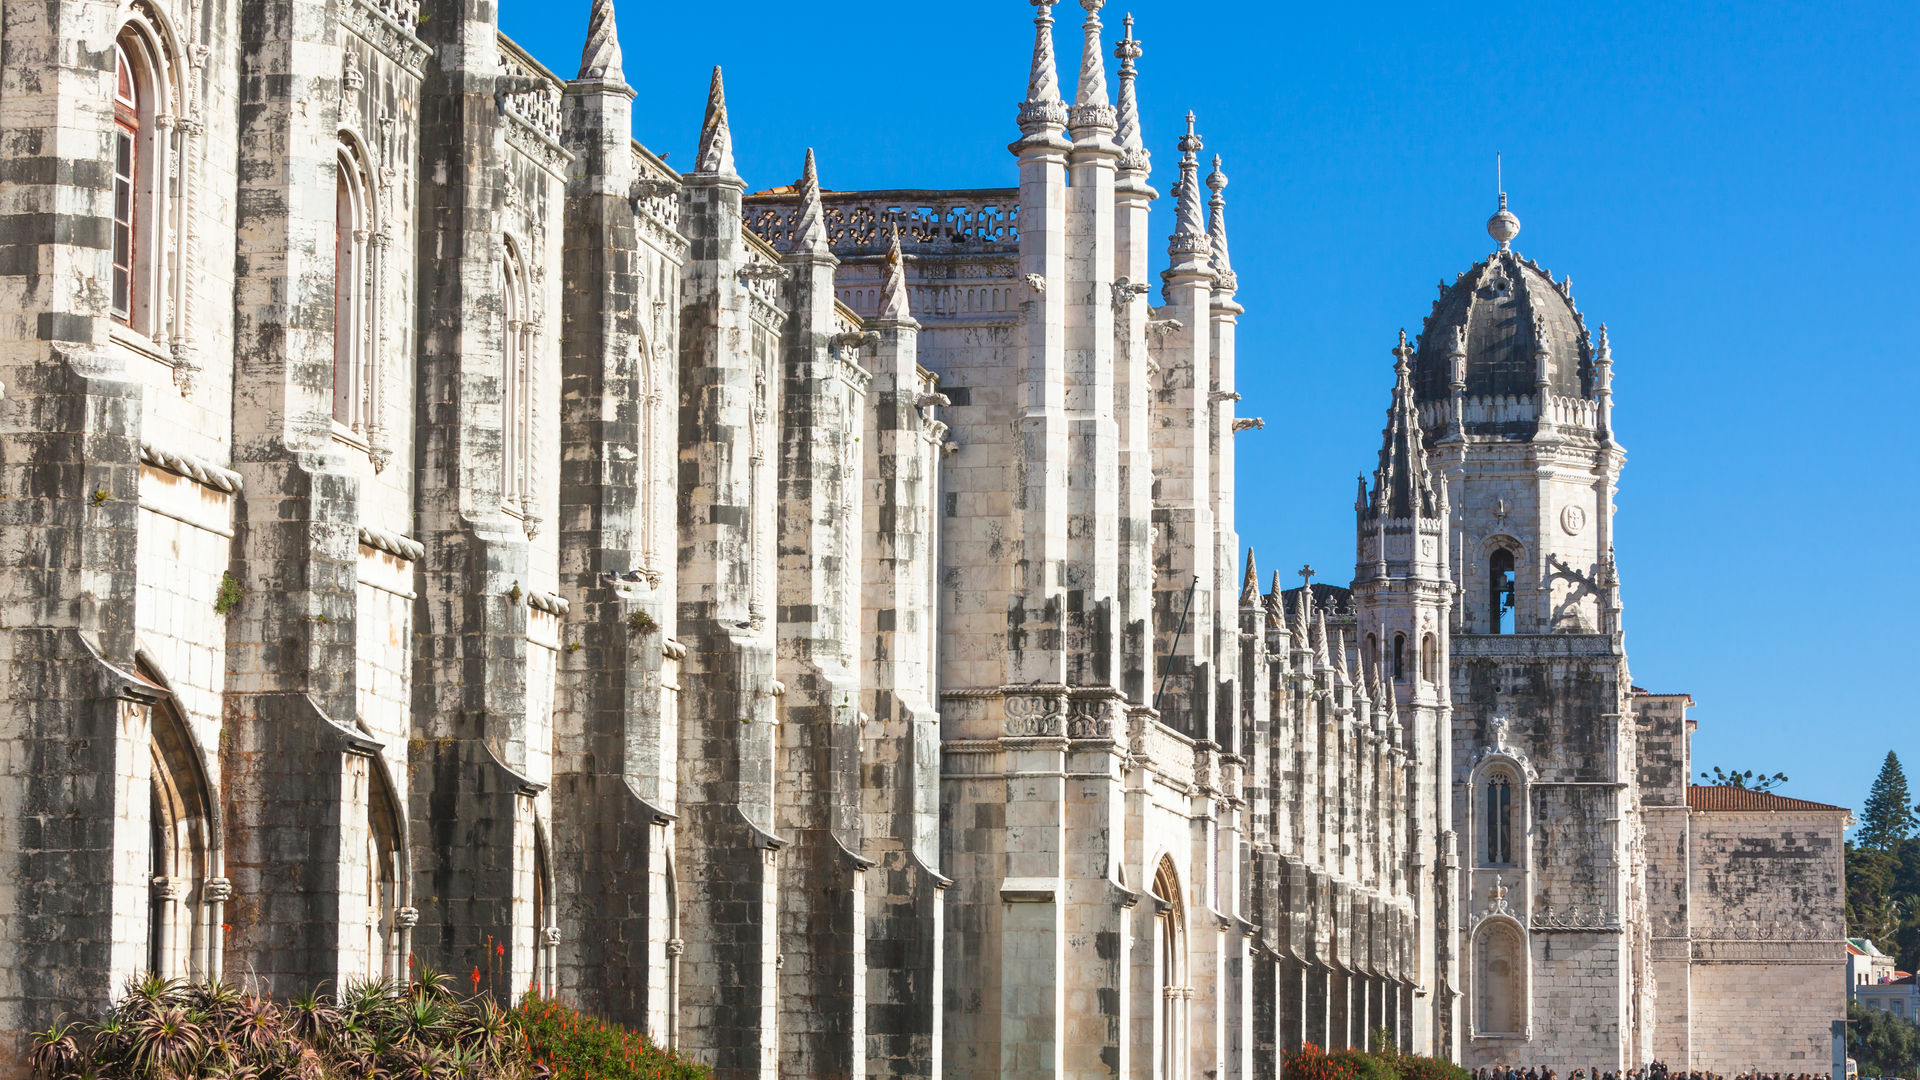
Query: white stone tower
[(1402, 593), (1513, 397)]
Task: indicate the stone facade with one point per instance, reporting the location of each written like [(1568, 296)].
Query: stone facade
[(809, 626)]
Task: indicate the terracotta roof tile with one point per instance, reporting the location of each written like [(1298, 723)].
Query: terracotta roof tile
[(1733, 798)]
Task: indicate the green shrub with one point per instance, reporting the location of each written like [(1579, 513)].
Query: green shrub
[(171, 1028), (1412, 1067), (570, 1045)]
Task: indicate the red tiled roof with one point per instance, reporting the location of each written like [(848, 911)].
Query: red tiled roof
[(1734, 798)]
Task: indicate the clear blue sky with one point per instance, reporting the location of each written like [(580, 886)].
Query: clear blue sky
[(1732, 186)]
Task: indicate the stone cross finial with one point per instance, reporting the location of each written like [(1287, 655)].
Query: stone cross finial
[(600, 59), (1402, 355), (715, 157), (1503, 226)]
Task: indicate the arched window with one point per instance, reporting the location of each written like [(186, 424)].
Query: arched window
[(1500, 979), (517, 377), (1499, 591), (182, 941), (1429, 658), (138, 157), (1169, 961), (546, 937), (384, 876), (1373, 650), (1399, 657), (352, 280), (126, 163), (1497, 820)]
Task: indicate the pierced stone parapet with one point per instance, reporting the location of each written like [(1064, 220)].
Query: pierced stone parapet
[(930, 222)]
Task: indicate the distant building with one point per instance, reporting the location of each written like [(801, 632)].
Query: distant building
[(1899, 996), (1866, 964)]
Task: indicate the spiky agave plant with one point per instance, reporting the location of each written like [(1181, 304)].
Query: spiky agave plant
[(254, 1024), (167, 1040), (430, 983), (56, 1052), (314, 1020)]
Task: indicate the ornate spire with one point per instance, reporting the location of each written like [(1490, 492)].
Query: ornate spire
[(1250, 587), (810, 231), (1133, 150), (716, 139), (600, 59), (1338, 644), (1091, 112), (893, 282), (1402, 487), (1043, 107), (1190, 224), (1217, 228), (1277, 604), (1320, 638)]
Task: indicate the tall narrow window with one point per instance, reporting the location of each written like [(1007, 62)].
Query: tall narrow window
[(516, 375), (1429, 658), (1500, 592), (1501, 977), (352, 301), (126, 165), (1399, 657), (1169, 959), (1499, 820)]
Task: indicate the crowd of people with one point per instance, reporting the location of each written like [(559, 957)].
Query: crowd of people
[(1656, 1071)]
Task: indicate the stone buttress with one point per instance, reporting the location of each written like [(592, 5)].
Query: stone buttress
[(726, 845)]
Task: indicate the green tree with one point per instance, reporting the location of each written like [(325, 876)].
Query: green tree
[(1719, 777), (1888, 817), (1881, 1043)]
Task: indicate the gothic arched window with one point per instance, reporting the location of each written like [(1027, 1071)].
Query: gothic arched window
[(517, 379), (1497, 819), (1500, 979), (126, 164), (352, 307), (182, 941), (1429, 658), (1499, 591), (1169, 960), (137, 157), (1399, 657)]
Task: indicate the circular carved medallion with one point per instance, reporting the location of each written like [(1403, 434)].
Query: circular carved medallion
[(1573, 519)]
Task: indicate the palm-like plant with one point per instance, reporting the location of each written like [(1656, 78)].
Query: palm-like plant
[(314, 1019), (254, 1024), (166, 1040), (56, 1053)]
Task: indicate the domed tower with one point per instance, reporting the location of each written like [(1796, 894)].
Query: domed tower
[(1513, 396)]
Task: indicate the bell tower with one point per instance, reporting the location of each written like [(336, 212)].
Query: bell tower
[(1514, 399)]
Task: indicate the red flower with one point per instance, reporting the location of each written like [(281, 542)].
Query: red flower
[(499, 950), (476, 978)]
